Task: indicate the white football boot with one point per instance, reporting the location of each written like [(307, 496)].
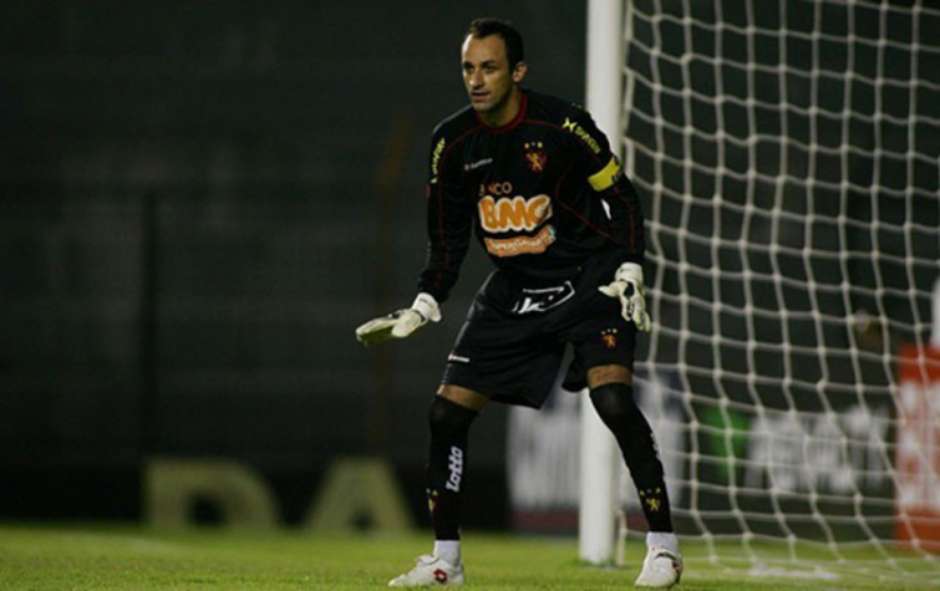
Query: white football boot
[(430, 570), (662, 569)]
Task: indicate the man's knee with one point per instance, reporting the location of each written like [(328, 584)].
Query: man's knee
[(615, 405), (448, 417)]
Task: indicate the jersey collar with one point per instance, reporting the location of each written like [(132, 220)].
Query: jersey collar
[(515, 120)]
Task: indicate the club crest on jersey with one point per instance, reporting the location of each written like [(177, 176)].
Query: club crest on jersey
[(535, 156), (609, 338)]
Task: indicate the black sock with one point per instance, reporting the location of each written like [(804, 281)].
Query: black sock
[(447, 458), (616, 407)]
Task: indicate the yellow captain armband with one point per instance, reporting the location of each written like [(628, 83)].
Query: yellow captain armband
[(606, 177)]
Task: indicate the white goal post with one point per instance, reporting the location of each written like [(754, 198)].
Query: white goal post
[(787, 153), (600, 457)]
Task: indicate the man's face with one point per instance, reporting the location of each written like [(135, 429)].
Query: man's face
[(486, 73)]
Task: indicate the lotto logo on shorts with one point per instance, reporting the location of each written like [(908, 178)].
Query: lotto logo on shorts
[(455, 463)]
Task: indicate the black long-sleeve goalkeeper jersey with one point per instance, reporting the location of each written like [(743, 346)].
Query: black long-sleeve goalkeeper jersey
[(542, 194)]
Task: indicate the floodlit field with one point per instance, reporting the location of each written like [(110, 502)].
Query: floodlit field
[(96, 557)]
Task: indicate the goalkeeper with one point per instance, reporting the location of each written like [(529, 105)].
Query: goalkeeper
[(536, 182)]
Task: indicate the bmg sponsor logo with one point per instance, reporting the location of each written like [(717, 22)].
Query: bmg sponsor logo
[(517, 213), (501, 213)]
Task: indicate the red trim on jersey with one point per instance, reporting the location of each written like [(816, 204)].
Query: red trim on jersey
[(573, 211), (438, 278), (631, 210), (520, 116)]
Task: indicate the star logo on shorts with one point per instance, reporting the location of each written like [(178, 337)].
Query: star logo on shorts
[(609, 338), (535, 156)]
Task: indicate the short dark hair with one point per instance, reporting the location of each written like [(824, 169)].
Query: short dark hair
[(484, 27)]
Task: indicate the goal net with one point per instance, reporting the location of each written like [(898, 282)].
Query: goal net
[(788, 154)]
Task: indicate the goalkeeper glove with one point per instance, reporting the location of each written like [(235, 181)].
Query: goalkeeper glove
[(400, 323), (628, 287)]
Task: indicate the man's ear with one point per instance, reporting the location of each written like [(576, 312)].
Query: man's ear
[(518, 73)]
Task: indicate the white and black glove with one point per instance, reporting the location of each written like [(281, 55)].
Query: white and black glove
[(400, 323), (628, 287)]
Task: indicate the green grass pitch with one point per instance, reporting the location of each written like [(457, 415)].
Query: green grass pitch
[(130, 557)]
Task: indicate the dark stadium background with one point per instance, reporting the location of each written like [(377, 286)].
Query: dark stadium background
[(199, 202)]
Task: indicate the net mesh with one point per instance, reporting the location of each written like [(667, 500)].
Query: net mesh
[(788, 153)]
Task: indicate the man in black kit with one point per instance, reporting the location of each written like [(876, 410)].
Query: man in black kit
[(536, 180)]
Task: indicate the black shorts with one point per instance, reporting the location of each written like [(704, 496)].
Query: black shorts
[(511, 345)]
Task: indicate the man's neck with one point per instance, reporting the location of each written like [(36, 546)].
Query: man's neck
[(507, 112)]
